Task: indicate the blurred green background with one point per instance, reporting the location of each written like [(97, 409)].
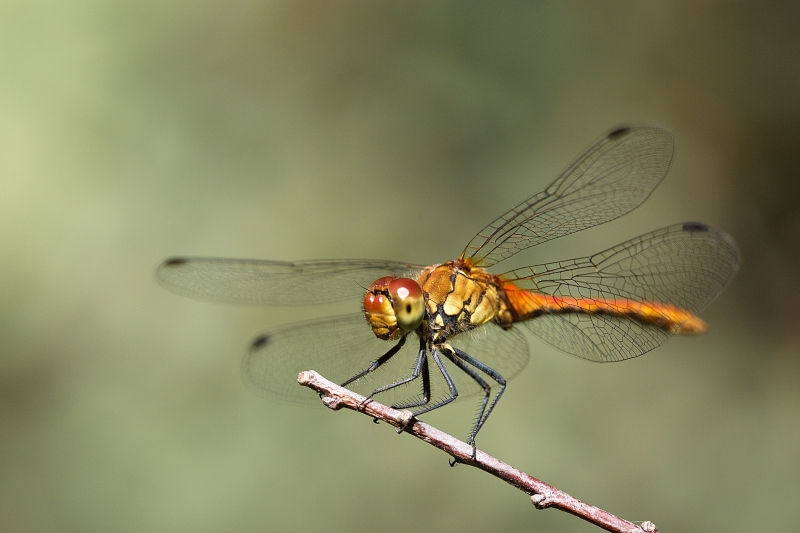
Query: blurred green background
[(134, 131)]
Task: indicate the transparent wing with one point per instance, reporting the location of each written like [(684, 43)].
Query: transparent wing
[(337, 347), (685, 265), (274, 282), (341, 347), (609, 180)]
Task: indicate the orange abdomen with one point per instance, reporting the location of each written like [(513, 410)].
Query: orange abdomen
[(527, 304)]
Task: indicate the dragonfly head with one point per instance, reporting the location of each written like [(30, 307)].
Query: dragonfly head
[(394, 307)]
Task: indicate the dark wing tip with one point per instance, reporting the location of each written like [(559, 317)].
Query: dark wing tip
[(695, 227), (174, 262), (259, 342), (619, 133), (725, 240)]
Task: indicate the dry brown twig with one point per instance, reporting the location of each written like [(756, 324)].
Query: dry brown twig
[(542, 495)]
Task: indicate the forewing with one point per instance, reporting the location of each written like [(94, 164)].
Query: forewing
[(341, 347), (610, 179), (274, 282), (685, 265)]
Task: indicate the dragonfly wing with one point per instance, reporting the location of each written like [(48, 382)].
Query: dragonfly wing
[(685, 265), (610, 179), (336, 347), (341, 347), (275, 282), (597, 338)]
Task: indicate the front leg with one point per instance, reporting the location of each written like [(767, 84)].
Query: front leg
[(377, 363), (450, 385), (426, 384), (421, 367)]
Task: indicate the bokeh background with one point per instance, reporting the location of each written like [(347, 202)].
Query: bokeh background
[(134, 131)]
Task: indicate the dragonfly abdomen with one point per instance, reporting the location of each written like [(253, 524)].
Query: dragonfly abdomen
[(527, 305)]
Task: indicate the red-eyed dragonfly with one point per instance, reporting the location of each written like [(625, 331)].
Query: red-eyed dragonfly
[(613, 305)]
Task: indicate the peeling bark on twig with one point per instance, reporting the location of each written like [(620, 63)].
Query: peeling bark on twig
[(542, 495)]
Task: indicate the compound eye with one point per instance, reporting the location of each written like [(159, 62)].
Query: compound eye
[(408, 303)]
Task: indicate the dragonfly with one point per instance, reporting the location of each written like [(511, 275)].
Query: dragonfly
[(454, 328)]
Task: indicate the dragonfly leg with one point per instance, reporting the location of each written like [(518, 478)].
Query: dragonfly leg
[(483, 416), (450, 353), (422, 364), (426, 385), (378, 362), (450, 385)]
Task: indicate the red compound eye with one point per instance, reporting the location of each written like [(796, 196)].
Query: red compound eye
[(380, 284), (375, 303), (408, 303)]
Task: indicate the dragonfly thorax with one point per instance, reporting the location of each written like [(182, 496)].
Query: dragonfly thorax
[(459, 297)]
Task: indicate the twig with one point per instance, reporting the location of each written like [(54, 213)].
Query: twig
[(542, 495)]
